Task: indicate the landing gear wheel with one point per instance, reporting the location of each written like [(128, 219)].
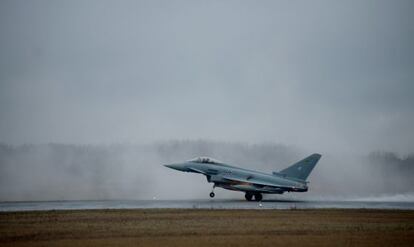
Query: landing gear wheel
[(212, 194), (248, 196), (258, 197)]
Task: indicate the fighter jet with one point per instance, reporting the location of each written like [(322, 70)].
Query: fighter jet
[(252, 183)]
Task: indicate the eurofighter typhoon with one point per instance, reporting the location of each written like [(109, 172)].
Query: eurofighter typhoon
[(252, 183)]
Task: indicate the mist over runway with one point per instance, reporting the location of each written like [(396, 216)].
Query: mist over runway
[(63, 172), (204, 204)]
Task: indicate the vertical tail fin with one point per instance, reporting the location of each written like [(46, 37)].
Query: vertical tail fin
[(303, 168)]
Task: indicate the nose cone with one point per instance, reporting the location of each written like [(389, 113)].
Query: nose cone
[(178, 167)]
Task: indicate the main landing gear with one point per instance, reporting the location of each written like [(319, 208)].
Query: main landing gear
[(257, 196)]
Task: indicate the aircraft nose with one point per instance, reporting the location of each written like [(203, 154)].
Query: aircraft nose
[(178, 167)]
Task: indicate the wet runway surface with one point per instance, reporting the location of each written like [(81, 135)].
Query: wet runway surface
[(201, 204)]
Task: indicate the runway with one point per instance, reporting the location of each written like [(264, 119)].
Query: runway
[(201, 204)]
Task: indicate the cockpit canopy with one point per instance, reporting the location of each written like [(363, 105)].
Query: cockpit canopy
[(205, 160)]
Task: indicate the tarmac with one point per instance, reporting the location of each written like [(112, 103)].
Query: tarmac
[(202, 204)]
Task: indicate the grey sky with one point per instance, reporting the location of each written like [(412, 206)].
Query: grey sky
[(321, 75)]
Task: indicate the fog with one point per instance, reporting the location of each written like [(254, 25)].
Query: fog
[(255, 84), (125, 171)]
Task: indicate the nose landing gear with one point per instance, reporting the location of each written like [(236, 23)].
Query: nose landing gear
[(212, 191)]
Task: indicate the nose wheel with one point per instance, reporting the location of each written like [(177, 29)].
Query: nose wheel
[(212, 191)]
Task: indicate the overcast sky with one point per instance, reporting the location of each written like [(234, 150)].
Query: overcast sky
[(320, 75)]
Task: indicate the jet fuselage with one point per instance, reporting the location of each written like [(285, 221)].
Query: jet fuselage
[(251, 182)]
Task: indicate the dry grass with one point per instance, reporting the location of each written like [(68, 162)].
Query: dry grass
[(183, 227)]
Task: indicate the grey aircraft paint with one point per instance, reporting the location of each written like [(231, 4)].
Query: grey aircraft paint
[(253, 183)]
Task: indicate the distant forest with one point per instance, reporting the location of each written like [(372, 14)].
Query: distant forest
[(72, 172)]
